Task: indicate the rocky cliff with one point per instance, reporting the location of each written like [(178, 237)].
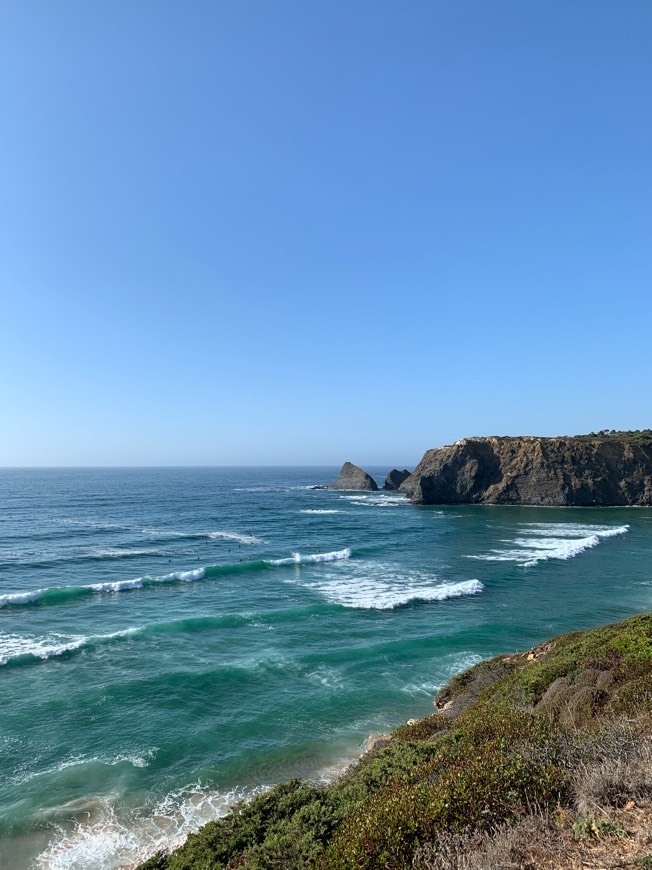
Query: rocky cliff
[(352, 477), (582, 470)]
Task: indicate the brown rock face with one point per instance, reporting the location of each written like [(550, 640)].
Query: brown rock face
[(352, 477), (582, 471)]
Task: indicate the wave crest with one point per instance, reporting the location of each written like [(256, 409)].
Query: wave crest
[(552, 541), (298, 559), (63, 594)]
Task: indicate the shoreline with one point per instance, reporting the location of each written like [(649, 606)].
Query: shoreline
[(496, 732)]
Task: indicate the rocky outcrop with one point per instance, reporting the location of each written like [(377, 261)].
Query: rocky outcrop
[(395, 478), (581, 471), (352, 477), (376, 741)]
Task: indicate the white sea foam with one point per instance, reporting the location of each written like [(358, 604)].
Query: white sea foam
[(122, 553), (446, 668), (329, 677), (117, 585), (375, 595), (20, 597), (110, 586), (298, 559), (573, 530), (384, 586), (236, 536), (139, 759), (314, 511), (553, 541), (377, 500), (188, 576), (110, 838), (16, 646), (239, 537), (139, 582)]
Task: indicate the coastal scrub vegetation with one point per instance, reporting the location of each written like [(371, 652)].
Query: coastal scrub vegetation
[(534, 760), (619, 434)]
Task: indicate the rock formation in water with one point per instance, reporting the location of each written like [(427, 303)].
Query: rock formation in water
[(584, 470), (352, 477), (395, 478)]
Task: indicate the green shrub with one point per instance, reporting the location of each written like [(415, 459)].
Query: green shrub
[(504, 753), (591, 828), (490, 787), (423, 729)]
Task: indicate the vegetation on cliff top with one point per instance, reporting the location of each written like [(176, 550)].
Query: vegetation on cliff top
[(534, 760), (635, 435), (632, 436)]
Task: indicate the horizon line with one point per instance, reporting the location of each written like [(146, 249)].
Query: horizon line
[(123, 467)]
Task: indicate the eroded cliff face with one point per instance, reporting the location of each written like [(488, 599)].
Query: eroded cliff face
[(581, 471)]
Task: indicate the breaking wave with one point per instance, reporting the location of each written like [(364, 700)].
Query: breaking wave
[(109, 837), (25, 649), (376, 595), (64, 594), (385, 586), (18, 649), (551, 541), (298, 559), (377, 500)]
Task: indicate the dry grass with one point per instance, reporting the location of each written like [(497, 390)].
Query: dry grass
[(540, 842), (608, 826), (619, 771)]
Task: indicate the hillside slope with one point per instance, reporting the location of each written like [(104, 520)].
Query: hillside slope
[(537, 759)]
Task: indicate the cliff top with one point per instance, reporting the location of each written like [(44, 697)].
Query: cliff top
[(626, 435)]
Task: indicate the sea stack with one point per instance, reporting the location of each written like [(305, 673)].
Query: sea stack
[(395, 478), (352, 477)]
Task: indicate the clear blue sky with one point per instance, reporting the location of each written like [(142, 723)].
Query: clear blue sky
[(255, 232)]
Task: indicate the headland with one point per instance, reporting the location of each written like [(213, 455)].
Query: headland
[(597, 470)]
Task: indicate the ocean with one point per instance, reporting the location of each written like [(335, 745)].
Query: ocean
[(175, 639)]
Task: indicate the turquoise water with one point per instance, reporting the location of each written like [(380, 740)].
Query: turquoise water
[(172, 639)]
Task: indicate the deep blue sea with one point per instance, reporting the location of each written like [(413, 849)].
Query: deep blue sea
[(172, 640)]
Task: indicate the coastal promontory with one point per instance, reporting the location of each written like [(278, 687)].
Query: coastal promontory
[(353, 478), (607, 468)]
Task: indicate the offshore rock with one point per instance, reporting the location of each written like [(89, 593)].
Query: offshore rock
[(584, 471), (395, 478), (352, 477)]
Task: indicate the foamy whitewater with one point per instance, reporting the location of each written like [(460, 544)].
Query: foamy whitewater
[(173, 640)]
